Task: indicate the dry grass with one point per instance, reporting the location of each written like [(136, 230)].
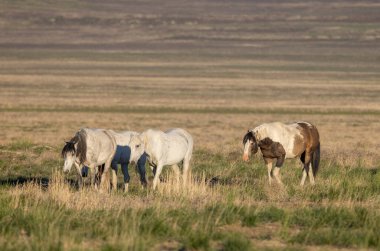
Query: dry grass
[(71, 64)]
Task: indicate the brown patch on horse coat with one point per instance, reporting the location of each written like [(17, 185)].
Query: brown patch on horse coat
[(310, 136), (272, 150), (299, 145)]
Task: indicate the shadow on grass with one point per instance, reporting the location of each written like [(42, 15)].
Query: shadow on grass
[(43, 181)]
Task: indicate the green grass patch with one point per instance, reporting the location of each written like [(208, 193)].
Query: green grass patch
[(236, 242), (22, 145)]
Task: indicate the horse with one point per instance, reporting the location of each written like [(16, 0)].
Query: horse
[(122, 157), (92, 148), (278, 141), (164, 148)]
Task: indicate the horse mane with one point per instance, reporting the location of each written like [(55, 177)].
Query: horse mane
[(80, 140), (69, 147), (82, 145), (249, 136)]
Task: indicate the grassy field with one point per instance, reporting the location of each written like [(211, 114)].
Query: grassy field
[(215, 68)]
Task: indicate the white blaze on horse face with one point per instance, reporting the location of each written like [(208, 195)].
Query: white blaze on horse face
[(69, 161), (247, 148), (137, 148)]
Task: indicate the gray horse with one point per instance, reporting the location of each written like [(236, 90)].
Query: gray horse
[(92, 148)]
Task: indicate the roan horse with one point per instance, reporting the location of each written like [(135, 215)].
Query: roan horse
[(164, 148), (92, 148), (278, 141)]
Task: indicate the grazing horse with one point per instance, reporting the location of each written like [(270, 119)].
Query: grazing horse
[(122, 157), (164, 148), (278, 141), (89, 147)]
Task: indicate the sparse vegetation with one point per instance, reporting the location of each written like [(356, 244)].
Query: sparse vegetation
[(215, 68), (239, 211)]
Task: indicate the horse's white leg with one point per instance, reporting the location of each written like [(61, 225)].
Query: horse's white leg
[(276, 174), (105, 176), (311, 176), (176, 172), (126, 187), (186, 170), (269, 167), (114, 179), (153, 168), (306, 168), (304, 174), (93, 171), (156, 179)]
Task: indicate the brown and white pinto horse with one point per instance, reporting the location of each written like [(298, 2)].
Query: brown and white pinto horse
[(278, 141)]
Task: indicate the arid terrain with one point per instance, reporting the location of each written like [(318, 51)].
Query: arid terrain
[(215, 68)]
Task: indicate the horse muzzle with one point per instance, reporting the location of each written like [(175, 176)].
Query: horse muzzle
[(245, 157)]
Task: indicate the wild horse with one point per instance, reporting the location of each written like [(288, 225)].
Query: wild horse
[(278, 141)]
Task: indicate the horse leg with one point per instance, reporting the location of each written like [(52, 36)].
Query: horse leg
[(105, 176), (80, 178), (114, 179), (98, 175), (306, 167), (114, 175), (186, 170), (311, 175), (269, 162), (304, 174), (141, 169), (156, 179), (153, 167), (276, 174), (93, 173), (176, 172), (124, 169)]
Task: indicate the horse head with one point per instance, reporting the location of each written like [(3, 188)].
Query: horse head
[(137, 145), (74, 149), (69, 155), (250, 144)]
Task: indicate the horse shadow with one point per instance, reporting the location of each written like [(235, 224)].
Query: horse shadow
[(44, 182)]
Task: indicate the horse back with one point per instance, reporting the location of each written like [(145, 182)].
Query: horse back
[(295, 138), (123, 138), (171, 146), (101, 145)]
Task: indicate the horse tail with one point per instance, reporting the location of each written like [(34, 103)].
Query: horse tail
[(190, 142), (315, 159)]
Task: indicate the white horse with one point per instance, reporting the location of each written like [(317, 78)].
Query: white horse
[(122, 157), (164, 148), (278, 141), (89, 147)]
